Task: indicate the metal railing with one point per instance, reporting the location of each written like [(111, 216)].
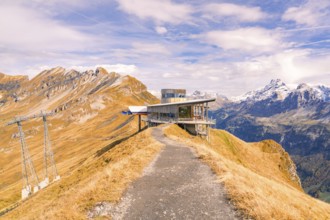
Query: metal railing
[(178, 120)]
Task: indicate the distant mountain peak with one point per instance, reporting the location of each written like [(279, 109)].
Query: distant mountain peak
[(303, 86), (275, 89), (277, 82)]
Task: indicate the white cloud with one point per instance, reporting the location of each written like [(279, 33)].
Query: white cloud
[(310, 13), (251, 56), (32, 71), (296, 65), (233, 78), (157, 10), (292, 66), (23, 29), (239, 12), (251, 39), (149, 48), (171, 75), (301, 16), (161, 30)]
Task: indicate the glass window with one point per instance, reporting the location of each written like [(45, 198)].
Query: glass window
[(185, 112)]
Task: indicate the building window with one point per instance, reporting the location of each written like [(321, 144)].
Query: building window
[(173, 95), (185, 112)]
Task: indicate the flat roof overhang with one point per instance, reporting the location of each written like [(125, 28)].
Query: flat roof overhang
[(201, 122), (195, 101), (138, 110)]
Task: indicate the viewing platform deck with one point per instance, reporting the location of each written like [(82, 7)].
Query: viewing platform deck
[(181, 121)]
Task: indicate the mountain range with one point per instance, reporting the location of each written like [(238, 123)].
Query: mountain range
[(298, 118), (98, 151)]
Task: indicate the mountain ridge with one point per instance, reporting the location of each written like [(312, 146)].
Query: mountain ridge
[(87, 107), (277, 89)]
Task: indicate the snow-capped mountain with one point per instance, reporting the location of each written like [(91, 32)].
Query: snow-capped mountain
[(325, 92), (277, 90), (220, 99), (202, 95)]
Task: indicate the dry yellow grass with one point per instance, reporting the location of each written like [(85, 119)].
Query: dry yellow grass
[(100, 179), (255, 176), (88, 123)]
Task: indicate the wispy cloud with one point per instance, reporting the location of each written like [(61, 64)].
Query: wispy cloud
[(160, 11), (238, 12), (161, 30), (251, 39), (149, 48), (26, 29), (312, 13)]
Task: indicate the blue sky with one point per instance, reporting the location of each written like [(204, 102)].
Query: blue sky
[(229, 47)]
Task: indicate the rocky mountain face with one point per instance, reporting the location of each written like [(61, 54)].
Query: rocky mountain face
[(87, 107), (299, 119), (8, 86)]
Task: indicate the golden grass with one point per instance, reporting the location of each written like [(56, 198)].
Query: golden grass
[(255, 176), (73, 141), (101, 179)]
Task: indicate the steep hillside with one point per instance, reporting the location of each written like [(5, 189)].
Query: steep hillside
[(299, 119), (102, 178), (260, 177), (88, 119)]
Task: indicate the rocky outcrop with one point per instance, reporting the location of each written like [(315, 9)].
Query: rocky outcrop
[(286, 165), (8, 87)]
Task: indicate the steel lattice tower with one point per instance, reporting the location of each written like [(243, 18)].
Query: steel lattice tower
[(49, 161), (28, 172)]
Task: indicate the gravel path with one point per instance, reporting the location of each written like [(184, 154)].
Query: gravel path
[(176, 185)]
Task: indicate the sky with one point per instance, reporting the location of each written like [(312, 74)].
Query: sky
[(228, 47)]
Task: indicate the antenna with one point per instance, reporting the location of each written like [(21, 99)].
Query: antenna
[(28, 171)]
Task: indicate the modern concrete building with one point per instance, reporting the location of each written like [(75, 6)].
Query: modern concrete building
[(191, 115)]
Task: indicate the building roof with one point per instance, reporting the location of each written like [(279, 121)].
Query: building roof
[(138, 109), (194, 101)]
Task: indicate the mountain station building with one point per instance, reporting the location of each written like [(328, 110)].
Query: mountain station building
[(175, 108)]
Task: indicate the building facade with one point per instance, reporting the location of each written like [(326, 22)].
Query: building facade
[(191, 115)]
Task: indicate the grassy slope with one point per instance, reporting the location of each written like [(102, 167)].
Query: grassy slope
[(102, 178), (73, 140), (256, 176)]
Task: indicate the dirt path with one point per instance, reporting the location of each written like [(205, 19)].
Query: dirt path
[(176, 185)]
